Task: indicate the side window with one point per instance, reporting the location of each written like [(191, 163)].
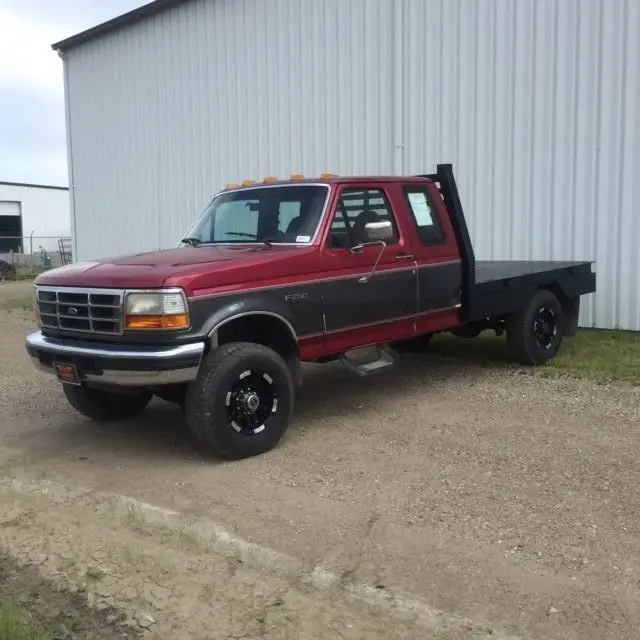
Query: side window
[(424, 215), (355, 208)]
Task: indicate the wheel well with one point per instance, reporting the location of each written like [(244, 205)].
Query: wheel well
[(261, 328)]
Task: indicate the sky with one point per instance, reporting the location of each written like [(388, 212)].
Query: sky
[(32, 125)]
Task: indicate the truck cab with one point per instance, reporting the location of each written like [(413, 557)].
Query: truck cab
[(276, 273)]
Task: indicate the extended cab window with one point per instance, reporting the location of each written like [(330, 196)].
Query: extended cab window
[(424, 215), (355, 208), (286, 214)]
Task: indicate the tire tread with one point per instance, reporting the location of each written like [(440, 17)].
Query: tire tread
[(197, 407), (105, 406), (519, 334)]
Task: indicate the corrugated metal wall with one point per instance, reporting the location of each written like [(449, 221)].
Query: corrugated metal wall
[(534, 101)]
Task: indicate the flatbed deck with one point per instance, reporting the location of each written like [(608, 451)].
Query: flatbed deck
[(494, 270), (503, 286)]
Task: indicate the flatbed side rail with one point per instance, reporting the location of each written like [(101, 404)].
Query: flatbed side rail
[(445, 179)]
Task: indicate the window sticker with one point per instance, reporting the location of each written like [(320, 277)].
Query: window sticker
[(420, 208)]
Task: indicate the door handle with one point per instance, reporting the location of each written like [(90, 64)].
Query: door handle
[(403, 256)]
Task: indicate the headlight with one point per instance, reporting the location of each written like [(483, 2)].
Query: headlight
[(156, 310)]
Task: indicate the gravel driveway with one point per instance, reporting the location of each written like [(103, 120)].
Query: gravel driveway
[(435, 502)]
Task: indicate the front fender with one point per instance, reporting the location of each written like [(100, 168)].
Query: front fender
[(215, 312)]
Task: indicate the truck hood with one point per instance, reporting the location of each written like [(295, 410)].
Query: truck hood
[(193, 268)]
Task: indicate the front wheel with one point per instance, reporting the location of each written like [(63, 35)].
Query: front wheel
[(534, 335), (241, 402), (105, 406)]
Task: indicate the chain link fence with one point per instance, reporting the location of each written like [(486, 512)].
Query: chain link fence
[(25, 257)]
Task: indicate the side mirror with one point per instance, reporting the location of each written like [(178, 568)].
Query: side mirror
[(379, 231)]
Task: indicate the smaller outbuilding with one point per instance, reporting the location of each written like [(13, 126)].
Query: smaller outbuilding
[(33, 213), (35, 224)]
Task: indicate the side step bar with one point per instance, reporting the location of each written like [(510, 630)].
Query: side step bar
[(386, 359)]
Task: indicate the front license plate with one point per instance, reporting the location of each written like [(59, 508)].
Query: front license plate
[(67, 373)]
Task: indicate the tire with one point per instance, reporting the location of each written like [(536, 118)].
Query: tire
[(221, 408), (417, 344), (105, 406), (534, 335)]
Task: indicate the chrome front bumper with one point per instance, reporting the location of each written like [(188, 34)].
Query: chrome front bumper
[(118, 365)]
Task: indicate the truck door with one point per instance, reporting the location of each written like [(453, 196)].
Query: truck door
[(363, 305), (437, 257)]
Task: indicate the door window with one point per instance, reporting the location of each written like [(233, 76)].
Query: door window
[(355, 208), (424, 215)]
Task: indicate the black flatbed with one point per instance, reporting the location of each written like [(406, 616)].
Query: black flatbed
[(493, 289), (496, 270), (504, 286)]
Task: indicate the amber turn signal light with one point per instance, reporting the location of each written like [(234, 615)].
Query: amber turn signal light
[(176, 321)]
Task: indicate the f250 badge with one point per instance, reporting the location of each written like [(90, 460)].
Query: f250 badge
[(296, 297)]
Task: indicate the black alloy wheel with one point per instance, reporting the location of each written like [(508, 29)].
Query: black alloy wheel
[(241, 402), (251, 401), (545, 326), (535, 333)]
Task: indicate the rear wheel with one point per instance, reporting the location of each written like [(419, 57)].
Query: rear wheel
[(105, 406), (242, 400), (535, 334)]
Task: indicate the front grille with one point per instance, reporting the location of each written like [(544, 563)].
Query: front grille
[(80, 310)]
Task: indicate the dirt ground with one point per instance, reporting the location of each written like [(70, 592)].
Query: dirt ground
[(15, 290), (436, 502)]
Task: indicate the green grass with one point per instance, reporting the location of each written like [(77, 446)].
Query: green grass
[(591, 354), (16, 624), (16, 303)]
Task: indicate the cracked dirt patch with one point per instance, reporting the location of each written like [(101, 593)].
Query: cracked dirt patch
[(138, 571), (51, 608)]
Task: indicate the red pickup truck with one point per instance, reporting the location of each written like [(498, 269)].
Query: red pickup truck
[(280, 272)]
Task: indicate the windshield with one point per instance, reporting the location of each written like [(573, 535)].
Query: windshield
[(286, 214)]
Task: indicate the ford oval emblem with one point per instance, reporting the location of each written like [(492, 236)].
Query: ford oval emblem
[(72, 311)]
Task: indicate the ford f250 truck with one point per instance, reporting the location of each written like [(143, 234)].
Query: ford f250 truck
[(280, 272)]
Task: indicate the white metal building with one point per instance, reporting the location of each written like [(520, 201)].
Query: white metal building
[(535, 103), (33, 216)]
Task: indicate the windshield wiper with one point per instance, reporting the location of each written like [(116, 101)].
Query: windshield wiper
[(251, 236), (194, 242)]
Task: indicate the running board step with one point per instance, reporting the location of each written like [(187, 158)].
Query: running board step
[(386, 359)]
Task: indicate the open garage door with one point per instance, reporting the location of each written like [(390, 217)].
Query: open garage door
[(10, 226)]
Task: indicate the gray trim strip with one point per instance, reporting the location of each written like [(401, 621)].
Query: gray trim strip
[(409, 316), (299, 283)]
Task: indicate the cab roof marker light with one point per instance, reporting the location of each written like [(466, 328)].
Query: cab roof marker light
[(327, 176), (231, 185), (296, 176), (270, 180), (248, 182)]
